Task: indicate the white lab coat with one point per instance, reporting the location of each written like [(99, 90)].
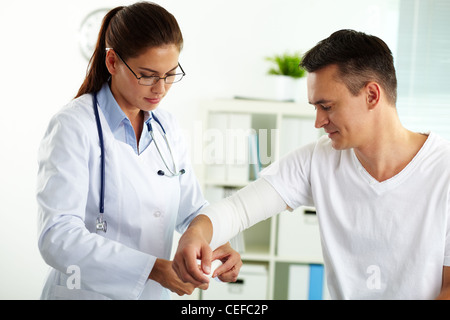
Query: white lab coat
[(142, 209)]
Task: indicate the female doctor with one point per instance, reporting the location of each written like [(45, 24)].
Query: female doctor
[(112, 186)]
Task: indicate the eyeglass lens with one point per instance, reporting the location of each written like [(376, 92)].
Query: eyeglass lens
[(169, 79)]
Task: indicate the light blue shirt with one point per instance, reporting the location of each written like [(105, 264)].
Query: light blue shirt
[(119, 123)]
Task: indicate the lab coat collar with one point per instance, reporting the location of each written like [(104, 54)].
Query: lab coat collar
[(111, 109)]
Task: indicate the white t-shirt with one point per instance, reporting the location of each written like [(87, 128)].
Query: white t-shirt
[(380, 240)]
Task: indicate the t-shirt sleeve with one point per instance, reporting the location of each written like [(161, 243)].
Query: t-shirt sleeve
[(291, 176)]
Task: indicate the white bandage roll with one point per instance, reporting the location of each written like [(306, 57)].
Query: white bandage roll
[(214, 265)]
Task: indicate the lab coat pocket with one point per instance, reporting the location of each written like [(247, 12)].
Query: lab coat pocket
[(64, 293)]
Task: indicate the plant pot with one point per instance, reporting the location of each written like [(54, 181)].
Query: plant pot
[(301, 91), (290, 89), (285, 88)]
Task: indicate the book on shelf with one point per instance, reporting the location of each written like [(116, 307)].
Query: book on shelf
[(216, 193), (254, 159), (306, 282), (296, 132), (231, 147)]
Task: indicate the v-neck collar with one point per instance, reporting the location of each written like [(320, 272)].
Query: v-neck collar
[(386, 185)]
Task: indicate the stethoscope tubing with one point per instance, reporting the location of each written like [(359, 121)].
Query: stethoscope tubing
[(100, 222), (102, 155)]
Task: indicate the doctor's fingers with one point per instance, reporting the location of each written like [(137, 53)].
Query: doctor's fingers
[(231, 261), (189, 272), (229, 271), (204, 286), (185, 288), (230, 275)]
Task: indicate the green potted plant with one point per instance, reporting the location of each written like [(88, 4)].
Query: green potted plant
[(287, 65), (287, 71)]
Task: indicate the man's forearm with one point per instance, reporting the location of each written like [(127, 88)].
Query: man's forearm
[(202, 226), (250, 205)]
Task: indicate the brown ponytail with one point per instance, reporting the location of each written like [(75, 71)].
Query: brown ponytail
[(129, 31), (97, 72)]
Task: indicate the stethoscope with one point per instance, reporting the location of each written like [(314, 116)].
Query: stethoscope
[(100, 222)]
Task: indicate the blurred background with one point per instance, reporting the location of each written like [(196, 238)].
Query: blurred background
[(43, 62)]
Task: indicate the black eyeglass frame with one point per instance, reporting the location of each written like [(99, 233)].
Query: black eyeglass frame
[(183, 74)]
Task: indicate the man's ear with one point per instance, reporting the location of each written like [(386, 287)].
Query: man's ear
[(111, 61), (373, 94)]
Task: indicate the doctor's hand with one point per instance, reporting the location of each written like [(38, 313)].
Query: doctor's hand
[(164, 274), (231, 263)]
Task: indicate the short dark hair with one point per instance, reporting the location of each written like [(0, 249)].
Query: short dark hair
[(360, 58)]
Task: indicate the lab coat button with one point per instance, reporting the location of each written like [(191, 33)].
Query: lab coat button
[(157, 214)]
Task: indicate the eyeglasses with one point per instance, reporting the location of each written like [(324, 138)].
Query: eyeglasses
[(152, 80)]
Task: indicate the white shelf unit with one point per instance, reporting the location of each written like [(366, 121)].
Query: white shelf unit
[(262, 240)]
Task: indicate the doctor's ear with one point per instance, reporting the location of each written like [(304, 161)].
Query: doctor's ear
[(111, 61)]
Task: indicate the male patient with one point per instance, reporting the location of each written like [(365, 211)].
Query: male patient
[(382, 192)]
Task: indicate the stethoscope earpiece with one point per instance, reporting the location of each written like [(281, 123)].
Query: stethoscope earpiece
[(162, 173), (173, 172)]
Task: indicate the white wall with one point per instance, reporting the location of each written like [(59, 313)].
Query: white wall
[(41, 69)]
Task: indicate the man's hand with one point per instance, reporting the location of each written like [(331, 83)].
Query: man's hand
[(163, 273), (193, 245)]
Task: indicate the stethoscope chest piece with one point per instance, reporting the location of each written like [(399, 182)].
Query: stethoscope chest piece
[(100, 224)]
